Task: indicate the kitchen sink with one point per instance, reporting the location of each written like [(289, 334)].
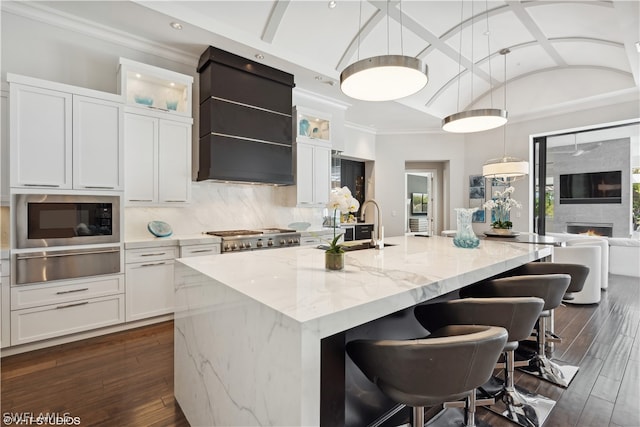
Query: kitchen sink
[(349, 247)]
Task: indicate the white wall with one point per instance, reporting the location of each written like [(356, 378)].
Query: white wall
[(483, 146), (392, 151)]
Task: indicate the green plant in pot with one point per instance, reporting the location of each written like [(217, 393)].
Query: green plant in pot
[(339, 200), (501, 206)]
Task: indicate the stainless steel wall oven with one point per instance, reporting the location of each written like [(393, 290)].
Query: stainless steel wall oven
[(58, 226)]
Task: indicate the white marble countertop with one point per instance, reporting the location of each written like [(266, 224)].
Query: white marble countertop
[(173, 240), (294, 281)]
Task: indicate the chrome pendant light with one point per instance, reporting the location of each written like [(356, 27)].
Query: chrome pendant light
[(383, 78), (505, 168), (479, 119)]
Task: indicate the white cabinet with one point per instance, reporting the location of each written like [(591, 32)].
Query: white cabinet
[(157, 160), (40, 137), (97, 144), (199, 250), (149, 282), (312, 156), (64, 137), (4, 145), (313, 174), (48, 310), (5, 304)]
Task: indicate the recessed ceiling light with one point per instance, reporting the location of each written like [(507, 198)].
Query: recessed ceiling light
[(176, 25), (319, 78), (638, 46), (332, 4), (138, 75), (259, 56), (172, 84)]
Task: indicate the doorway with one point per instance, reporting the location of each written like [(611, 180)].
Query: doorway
[(421, 202)]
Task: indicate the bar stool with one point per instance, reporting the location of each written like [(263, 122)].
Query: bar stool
[(549, 287), (448, 365), (518, 316), (578, 273)]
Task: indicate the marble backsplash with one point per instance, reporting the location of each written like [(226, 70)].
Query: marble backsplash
[(220, 206)]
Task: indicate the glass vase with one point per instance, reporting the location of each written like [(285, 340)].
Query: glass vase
[(465, 237), (333, 261)]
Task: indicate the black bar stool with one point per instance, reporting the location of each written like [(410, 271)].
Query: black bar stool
[(518, 316), (448, 365), (549, 287)]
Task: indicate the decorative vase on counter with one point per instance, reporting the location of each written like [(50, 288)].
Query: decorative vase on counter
[(465, 237), (334, 261)]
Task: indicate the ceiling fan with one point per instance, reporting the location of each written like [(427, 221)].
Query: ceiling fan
[(578, 151)]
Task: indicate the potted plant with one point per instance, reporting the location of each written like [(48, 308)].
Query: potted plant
[(501, 205), (339, 200)]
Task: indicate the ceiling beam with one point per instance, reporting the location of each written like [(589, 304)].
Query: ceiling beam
[(275, 18)]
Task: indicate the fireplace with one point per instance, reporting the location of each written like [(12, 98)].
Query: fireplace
[(590, 229)]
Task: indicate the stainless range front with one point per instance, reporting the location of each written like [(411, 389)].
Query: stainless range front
[(247, 240)]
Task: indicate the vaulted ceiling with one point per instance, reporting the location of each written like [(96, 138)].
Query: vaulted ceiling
[(564, 54)]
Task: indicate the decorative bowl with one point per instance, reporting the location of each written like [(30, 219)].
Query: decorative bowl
[(143, 100), (172, 105)]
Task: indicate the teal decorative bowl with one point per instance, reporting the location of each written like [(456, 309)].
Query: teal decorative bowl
[(172, 105), (143, 100)]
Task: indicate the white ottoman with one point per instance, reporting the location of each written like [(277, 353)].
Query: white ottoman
[(589, 255), (604, 252)]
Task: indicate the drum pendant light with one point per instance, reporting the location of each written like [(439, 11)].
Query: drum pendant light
[(383, 78), (505, 168), (479, 119)]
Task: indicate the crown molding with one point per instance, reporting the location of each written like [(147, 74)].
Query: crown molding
[(42, 13), (315, 97)]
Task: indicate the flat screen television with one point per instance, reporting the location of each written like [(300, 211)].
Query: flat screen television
[(592, 187)]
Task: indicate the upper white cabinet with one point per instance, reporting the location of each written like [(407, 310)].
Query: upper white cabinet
[(312, 155), (155, 89), (97, 144), (64, 137), (157, 160), (312, 126), (158, 129), (4, 145)]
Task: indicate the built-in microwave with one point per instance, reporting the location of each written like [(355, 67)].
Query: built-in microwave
[(47, 220)]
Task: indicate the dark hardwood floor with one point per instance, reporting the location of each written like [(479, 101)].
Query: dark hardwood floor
[(126, 379)]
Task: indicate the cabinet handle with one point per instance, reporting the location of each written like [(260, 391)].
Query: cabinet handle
[(152, 264), (42, 185), (156, 254), (175, 201), (72, 305), (99, 187), (140, 200), (71, 291), (201, 250)]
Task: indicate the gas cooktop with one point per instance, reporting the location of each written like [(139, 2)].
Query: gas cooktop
[(268, 238)]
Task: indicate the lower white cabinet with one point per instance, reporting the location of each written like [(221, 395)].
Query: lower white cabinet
[(48, 310), (199, 250), (50, 321), (149, 282)]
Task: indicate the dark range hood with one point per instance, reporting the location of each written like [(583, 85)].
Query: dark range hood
[(245, 120)]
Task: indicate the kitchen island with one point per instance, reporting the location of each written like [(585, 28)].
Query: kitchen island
[(259, 336)]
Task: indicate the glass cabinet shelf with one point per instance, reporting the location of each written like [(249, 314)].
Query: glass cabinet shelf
[(312, 125), (155, 88)]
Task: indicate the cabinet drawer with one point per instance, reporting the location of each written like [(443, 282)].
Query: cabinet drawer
[(199, 250), (150, 254), (363, 231), (33, 324), (45, 294), (149, 289), (306, 241)]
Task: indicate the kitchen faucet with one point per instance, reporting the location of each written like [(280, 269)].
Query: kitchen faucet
[(376, 241)]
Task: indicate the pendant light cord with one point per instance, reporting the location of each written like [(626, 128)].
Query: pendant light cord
[(486, 8), (359, 30), (504, 53), (401, 28), (387, 27), (460, 52)]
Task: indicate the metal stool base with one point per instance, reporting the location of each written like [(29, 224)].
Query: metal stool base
[(520, 406), (452, 417), (551, 371)]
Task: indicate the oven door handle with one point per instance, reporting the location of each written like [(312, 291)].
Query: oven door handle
[(70, 253)]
